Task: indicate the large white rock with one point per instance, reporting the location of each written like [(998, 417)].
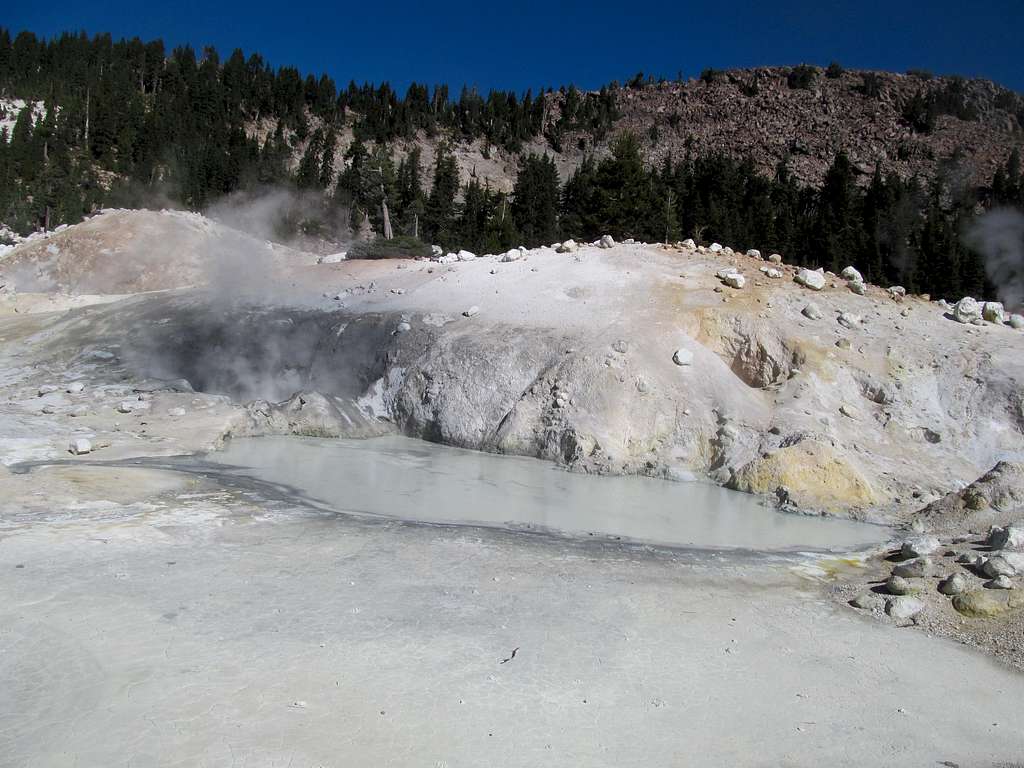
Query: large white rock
[(1000, 565), (466, 255), (772, 272), (1016, 321), (567, 247), (754, 253), (903, 607), (436, 250), (334, 258), (857, 287), (967, 310), (810, 278), (775, 258), (80, 446), (688, 243), (918, 546), (715, 247), (811, 312), (851, 273), (725, 272), (897, 292), (735, 280), (513, 255), (1010, 537), (607, 241), (474, 310), (993, 312)]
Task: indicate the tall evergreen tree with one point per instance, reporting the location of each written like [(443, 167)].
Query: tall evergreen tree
[(536, 200), (440, 213)]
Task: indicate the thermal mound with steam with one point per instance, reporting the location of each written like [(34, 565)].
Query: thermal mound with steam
[(122, 252), (680, 361)]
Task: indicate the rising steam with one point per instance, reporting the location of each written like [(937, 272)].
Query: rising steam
[(999, 237)]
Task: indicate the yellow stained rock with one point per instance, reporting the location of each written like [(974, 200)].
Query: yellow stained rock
[(814, 474)]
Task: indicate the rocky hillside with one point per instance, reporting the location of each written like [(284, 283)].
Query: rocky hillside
[(763, 115), (966, 128)]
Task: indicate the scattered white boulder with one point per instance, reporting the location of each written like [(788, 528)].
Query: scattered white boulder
[(567, 247), (993, 312), (466, 255), (998, 566), (811, 278), (735, 280), (858, 287), (1010, 537), (772, 272), (335, 258), (851, 273), (689, 243), (403, 327), (1000, 582), (512, 255), (46, 389), (967, 310), (715, 247), (1016, 322), (867, 601), (848, 320), (436, 250), (917, 568), (80, 446), (754, 253), (811, 312), (682, 357), (897, 292), (919, 546), (954, 585), (775, 258), (903, 607), (474, 310), (897, 585), (607, 241), (75, 387)]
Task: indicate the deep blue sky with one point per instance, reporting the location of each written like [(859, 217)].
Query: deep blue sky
[(531, 44)]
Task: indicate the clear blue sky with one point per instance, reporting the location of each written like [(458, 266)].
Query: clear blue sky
[(530, 44)]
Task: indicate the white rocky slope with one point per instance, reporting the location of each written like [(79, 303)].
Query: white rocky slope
[(869, 405)]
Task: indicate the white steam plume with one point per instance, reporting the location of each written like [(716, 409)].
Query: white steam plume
[(999, 237)]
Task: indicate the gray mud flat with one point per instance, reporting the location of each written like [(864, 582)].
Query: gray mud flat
[(213, 628), (408, 479)]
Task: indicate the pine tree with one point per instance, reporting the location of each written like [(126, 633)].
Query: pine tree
[(440, 214), (308, 175), (327, 159), (536, 200)]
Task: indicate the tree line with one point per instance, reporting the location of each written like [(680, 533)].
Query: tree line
[(121, 117), (121, 120)]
